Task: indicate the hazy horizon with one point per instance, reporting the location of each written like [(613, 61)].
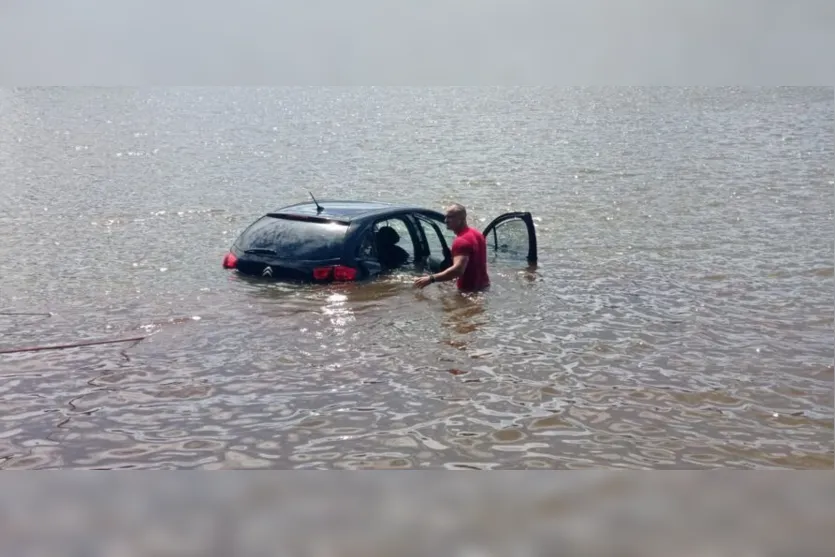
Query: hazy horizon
[(431, 42)]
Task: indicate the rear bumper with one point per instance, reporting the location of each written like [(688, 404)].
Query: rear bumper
[(272, 271)]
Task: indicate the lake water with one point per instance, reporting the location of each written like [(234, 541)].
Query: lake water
[(680, 316)]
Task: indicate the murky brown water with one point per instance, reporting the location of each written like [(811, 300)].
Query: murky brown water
[(681, 314)]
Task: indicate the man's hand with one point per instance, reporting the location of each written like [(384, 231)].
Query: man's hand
[(423, 282)]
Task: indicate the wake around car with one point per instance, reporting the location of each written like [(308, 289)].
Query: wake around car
[(342, 241)]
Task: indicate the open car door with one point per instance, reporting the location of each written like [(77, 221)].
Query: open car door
[(436, 251), (511, 237)]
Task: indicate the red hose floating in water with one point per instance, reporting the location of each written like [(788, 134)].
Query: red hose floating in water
[(74, 345)]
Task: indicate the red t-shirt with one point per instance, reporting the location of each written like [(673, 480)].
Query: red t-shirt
[(471, 242)]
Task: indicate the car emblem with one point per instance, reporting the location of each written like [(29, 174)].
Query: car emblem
[(267, 272)]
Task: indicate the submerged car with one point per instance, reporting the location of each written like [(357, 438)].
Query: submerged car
[(340, 241)]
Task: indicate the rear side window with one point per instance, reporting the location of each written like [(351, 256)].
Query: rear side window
[(293, 239)]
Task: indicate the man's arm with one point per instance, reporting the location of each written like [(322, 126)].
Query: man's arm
[(459, 265)]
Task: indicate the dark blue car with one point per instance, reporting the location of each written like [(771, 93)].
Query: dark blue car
[(328, 241)]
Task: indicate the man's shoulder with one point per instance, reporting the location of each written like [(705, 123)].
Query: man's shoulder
[(463, 244), (467, 237), (474, 235)]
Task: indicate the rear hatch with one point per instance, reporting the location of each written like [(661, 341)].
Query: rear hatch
[(289, 247)]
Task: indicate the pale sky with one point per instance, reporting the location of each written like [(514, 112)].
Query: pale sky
[(417, 42)]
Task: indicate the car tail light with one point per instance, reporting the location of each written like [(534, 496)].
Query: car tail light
[(343, 273), (322, 273), (340, 273), (230, 261)]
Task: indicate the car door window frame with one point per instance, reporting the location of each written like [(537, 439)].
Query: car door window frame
[(425, 220), (525, 217)]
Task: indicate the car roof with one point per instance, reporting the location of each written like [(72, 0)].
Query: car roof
[(346, 211)]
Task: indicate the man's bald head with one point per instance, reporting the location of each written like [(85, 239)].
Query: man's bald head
[(456, 209), (456, 217)]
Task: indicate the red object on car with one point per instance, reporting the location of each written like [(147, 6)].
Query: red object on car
[(230, 261)]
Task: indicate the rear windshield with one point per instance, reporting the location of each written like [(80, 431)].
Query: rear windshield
[(294, 239)]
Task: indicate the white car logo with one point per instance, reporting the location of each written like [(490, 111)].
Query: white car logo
[(268, 272)]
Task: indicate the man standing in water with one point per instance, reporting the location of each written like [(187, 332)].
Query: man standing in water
[(469, 255)]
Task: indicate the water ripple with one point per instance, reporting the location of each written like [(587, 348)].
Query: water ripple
[(680, 315)]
